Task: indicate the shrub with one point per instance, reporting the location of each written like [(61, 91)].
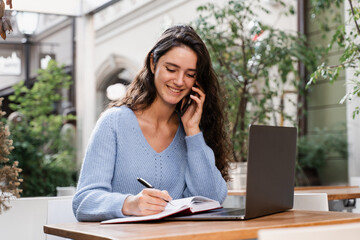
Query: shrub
[(47, 161)]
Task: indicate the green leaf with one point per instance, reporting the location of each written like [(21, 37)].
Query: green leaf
[(36, 138)]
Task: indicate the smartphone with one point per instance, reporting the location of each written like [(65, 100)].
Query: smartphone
[(185, 103)]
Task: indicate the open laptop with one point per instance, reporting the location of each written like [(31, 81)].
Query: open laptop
[(270, 176)]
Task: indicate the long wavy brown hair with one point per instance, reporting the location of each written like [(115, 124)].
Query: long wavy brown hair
[(142, 92)]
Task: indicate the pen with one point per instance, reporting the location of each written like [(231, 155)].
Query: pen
[(148, 185), (144, 183)]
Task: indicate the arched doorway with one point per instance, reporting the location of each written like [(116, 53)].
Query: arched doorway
[(113, 77)]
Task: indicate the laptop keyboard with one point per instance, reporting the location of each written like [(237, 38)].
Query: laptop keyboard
[(226, 211)]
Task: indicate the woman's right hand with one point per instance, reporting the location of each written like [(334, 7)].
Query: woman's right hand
[(149, 201)]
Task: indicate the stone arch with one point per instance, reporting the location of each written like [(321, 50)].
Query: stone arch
[(115, 69)]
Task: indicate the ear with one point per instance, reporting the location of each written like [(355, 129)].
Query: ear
[(152, 66)]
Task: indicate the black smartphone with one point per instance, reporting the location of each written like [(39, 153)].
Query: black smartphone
[(185, 103)]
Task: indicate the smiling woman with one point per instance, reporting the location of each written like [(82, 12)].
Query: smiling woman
[(145, 135), (175, 74)]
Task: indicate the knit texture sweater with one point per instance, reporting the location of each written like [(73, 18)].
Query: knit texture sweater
[(118, 153)]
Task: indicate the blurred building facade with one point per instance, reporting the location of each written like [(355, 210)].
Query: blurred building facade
[(107, 47), (126, 31)]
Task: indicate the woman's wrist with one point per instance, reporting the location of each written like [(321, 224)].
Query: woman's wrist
[(127, 206), (192, 131)]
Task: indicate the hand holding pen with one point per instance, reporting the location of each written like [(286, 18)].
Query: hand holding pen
[(147, 202), (148, 185)]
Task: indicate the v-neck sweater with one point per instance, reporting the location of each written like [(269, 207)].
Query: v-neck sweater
[(118, 153)]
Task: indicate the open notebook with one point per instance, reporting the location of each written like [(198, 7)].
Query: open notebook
[(183, 206)]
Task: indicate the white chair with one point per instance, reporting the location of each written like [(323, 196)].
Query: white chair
[(311, 201), (355, 181), (350, 231), (27, 217), (59, 211), (234, 201), (302, 201)]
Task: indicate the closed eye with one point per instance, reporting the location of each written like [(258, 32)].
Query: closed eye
[(170, 70), (191, 75)]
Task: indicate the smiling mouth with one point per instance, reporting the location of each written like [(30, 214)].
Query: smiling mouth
[(174, 90)]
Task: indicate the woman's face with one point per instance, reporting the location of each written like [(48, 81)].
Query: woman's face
[(175, 74)]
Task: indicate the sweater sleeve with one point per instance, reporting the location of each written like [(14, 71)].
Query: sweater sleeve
[(94, 199), (202, 176)]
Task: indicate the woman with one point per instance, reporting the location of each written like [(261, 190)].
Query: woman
[(169, 129)]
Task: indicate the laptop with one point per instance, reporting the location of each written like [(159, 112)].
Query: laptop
[(270, 176)]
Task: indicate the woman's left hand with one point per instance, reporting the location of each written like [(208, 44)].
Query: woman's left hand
[(192, 116)]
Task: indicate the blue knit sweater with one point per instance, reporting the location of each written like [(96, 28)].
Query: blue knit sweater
[(118, 153)]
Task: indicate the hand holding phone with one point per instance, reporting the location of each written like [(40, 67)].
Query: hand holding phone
[(185, 103), (190, 110)]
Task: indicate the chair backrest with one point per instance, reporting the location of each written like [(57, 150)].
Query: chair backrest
[(234, 201), (355, 181), (59, 211), (27, 217), (311, 201), (329, 232)]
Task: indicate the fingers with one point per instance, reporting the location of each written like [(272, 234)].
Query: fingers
[(152, 201), (195, 98), (166, 196), (198, 89), (192, 117), (160, 196), (198, 99), (148, 205), (200, 92), (199, 96)]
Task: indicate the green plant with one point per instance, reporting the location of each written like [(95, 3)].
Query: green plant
[(47, 161), (315, 149), (345, 38), (9, 174), (255, 62)]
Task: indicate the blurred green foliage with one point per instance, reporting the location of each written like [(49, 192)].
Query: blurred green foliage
[(346, 37), (46, 158), (256, 63), (313, 151)]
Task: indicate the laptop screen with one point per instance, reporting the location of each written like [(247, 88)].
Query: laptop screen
[(271, 170)]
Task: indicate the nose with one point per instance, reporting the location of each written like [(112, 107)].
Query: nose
[(179, 79)]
